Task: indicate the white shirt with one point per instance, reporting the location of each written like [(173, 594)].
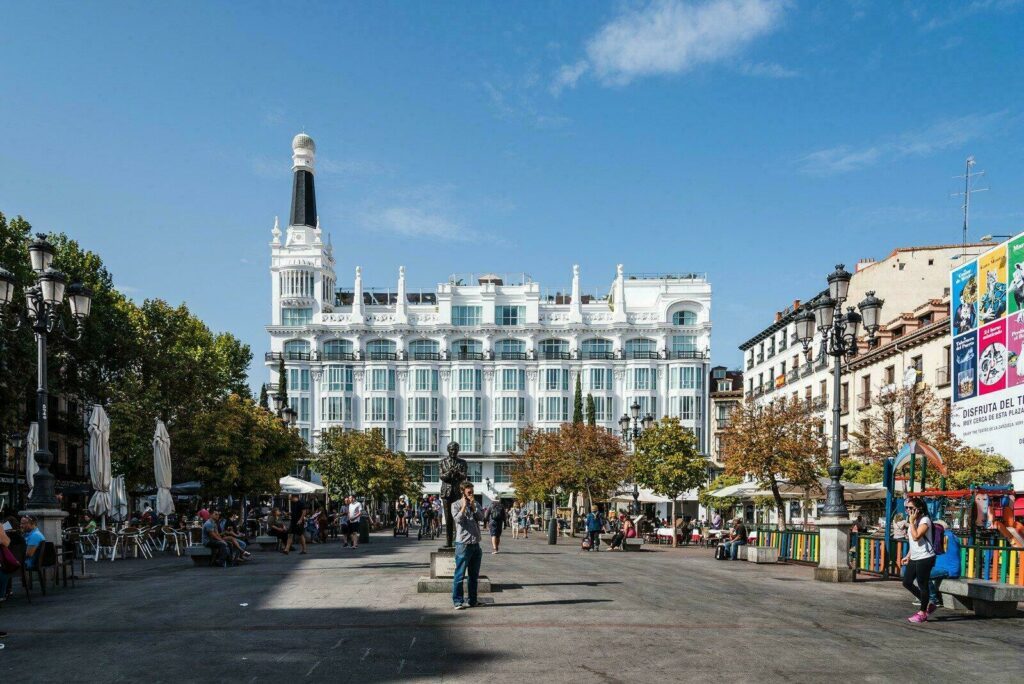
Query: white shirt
[(921, 548), (355, 511)]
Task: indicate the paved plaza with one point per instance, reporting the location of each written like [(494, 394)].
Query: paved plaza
[(343, 615)]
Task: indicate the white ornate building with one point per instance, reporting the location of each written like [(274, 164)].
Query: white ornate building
[(474, 361)]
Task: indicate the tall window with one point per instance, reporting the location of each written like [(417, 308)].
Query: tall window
[(509, 349), (431, 473), (337, 378), (379, 408), (503, 472), (475, 471), (596, 348), (381, 349), (642, 378), (380, 380), (641, 347), (506, 439), (684, 318), (421, 440), (467, 346), (301, 406), (553, 408), (598, 378), (603, 409), (424, 349), (467, 315), (467, 379), (647, 405), (466, 408), (686, 377), (298, 379), (684, 343), (553, 348), (296, 316), (556, 378), (336, 409), (509, 315), (337, 349), (509, 408), (423, 380), (422, 408), (469, 438), (511, 380), (296, 350)]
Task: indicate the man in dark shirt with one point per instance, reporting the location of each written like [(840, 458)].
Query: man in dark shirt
[(737, 538), (298, 524)]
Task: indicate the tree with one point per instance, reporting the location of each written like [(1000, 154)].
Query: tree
[(967, 466), (282, 379), (709, 502), (264, 397), (235, 448), (17, 367), (861, 472), (353, 462), (668, 461), (591, 410), (778, 440), (577, 403), (577, 458)]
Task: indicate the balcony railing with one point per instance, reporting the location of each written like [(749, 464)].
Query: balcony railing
[(864, 400), (288, 356), (750, 363), (426, 356), (941, 376), (383, 356), (760, 357), (555, 355), (844, 406), (642, 355), (512, 356), (469, 356), (686, 355), (822, 362), (793, 374), (337, 356), (759, 391), (806, 370), (606, 355)]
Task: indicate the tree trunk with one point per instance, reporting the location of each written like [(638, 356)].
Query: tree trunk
[(779, 504), (672, 524), (572, 514)]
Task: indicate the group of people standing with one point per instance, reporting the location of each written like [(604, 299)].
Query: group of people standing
[(300, 523)]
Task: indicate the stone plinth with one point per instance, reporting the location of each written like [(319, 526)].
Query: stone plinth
[(50, 523), (834, 550), (438, 585), (762, 554), (442, 564)]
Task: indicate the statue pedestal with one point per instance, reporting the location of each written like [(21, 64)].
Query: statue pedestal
[(442, 572), (834, 550), (442, 563), (50, 523)]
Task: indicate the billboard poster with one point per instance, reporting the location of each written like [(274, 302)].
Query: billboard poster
[(992, 285), (1015, 274), (1015, 350), (965, 367), (965, 298), (992, 357)]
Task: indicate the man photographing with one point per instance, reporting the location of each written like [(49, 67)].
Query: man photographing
[(466, 516)]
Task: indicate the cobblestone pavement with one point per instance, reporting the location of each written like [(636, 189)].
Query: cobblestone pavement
[(344, 615)]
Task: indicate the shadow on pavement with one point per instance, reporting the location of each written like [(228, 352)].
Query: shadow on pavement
[(563, 602)]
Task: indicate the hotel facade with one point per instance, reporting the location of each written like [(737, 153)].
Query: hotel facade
[(476, 359)]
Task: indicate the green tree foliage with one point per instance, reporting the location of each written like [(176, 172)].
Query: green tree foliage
[(591, 410), (360, 463), (17, 372), (668, 461), (577, 403), (236, 447), (264, 397), (282, 379), (861, 472), (968, 467)]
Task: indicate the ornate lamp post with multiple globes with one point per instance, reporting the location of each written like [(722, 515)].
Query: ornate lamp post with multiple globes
[(838, 332), (632, 426), (44, 312)]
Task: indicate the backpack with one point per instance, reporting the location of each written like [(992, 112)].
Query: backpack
[(586, 544), (938, 539)]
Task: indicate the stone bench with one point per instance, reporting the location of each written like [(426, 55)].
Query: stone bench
[(200, 555), (632, 544), (605, 538), (762, 554), (986, 599), (265, 542)]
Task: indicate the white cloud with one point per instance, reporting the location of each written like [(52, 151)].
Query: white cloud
[(516, 101), (942, 135), (671, 37), (767, 70), (428, 212), (959, 11)]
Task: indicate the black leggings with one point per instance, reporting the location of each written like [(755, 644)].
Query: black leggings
[(919, 571)]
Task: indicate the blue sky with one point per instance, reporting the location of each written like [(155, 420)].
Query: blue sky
[(761, 141)]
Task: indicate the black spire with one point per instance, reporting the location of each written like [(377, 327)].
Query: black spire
[(303, 194)]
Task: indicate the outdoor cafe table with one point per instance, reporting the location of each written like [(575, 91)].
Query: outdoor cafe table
[(664, 532)]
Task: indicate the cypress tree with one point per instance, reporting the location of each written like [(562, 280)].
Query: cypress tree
[(264, 397), (591, 410), (577, 403)]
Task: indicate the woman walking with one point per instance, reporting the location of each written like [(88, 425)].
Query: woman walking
[(920, 557)]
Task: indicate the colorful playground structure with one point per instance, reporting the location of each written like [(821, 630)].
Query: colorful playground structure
[(985, 518)]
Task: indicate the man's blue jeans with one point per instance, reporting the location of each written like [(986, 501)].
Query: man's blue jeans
[(467, 566), (935, 579), (733, 547)]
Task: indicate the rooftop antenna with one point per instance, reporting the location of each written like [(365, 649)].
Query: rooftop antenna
[(966, 194)]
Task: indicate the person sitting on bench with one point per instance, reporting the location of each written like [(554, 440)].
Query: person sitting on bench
[(212, 538), (737, 538)]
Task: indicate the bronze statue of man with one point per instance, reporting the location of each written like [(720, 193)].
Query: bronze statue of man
[(453, 474)]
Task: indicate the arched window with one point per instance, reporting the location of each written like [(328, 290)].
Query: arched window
[(596, 348), (554, 349), (510, 349), (684, 318), (337, 350), (468, 348), (641, 348), (296, 350), (381, 350), (684, 345), (424, 349)]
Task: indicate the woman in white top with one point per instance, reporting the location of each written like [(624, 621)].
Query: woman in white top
[(920, 557)]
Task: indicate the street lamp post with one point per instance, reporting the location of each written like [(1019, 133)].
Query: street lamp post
[(632, 426), (17, 442), (44, 301), (838, 333)]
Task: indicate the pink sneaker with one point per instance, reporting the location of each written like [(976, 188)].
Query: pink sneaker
[(932, 608), (918, 617)]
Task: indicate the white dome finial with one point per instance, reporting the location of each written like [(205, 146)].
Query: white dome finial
[(303, 142)]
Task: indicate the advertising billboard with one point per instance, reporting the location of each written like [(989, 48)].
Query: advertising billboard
[(987, 329)]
